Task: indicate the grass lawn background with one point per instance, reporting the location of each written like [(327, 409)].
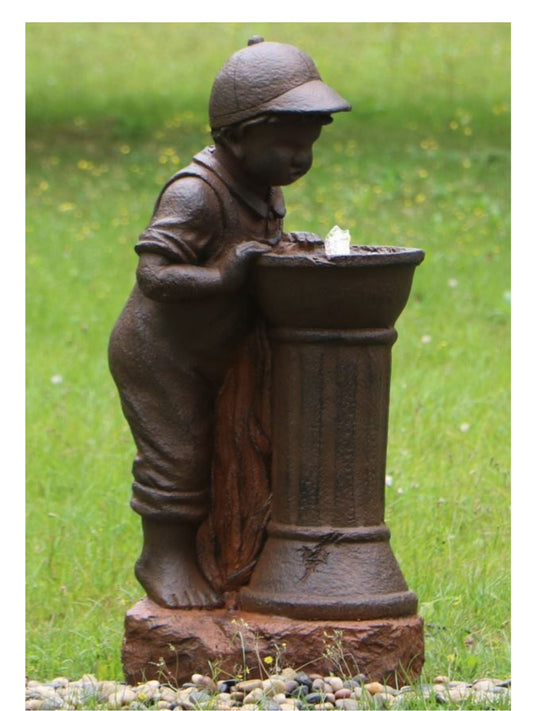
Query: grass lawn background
[(422, 160)]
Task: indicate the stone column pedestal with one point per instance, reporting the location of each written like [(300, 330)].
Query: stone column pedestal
[(171, 645), (331, 322)]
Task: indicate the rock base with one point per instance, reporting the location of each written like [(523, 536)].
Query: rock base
[(171, 645)]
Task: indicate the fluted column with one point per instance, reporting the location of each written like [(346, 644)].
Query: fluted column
[(330, 403)]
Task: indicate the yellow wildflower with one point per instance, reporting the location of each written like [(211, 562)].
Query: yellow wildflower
[(500, 109), (429, 144), (85, 165)]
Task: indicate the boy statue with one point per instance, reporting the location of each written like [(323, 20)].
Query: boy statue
[(187, 353)]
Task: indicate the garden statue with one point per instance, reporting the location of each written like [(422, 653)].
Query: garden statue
[(253, 369), (190, 310)]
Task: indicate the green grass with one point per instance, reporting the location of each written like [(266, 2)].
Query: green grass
[(422, 160)]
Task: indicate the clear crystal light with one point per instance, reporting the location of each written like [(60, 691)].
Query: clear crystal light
[(337, 242)]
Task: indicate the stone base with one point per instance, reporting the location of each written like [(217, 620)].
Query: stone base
[(171, 645)]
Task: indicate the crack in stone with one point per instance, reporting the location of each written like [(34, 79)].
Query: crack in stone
[(312, 557)]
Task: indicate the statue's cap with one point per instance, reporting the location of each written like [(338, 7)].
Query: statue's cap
[(270, 77)]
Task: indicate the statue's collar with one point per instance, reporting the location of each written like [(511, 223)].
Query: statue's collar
[(237, 185)]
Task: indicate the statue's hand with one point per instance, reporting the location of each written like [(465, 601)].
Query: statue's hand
[(235, 266), (309, 238)]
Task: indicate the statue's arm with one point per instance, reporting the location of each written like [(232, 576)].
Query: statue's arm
[(173, 251), (162, 280)]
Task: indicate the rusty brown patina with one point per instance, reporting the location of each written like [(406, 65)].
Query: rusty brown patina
[(254, 372), (189, 354)]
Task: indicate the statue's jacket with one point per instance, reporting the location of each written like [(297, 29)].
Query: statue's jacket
[(170, 360)]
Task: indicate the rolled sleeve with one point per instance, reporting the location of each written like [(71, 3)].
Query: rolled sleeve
[(186, 220)]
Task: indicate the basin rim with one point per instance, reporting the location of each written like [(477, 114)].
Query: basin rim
[(360, 255)]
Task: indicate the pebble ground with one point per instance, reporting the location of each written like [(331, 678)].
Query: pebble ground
[(287, 691)]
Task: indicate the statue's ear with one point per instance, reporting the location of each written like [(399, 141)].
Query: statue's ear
[(235, 142)]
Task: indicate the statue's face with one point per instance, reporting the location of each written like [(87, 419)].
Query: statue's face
[(277, 153)]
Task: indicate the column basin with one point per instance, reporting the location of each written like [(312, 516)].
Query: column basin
[(366, 289)]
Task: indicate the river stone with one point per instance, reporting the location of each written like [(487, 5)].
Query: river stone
[(300, 692), (52, 703), (121, 697), (254, 695), (314, 698), (226, 685), (374, 687), (347, 704), (249, 685), (304, 679), (147, 694), (273, 686), (455, 695), (45, 691), (108, 687), (85, 695), (485, 684), (498, 690), (270, 705), (199, 697), (291, 685), (169, 695), (204, 682), (351, 684), (343, 693), (222, 701), (441, 680), (280, 698), (383, 700), (335, 682)]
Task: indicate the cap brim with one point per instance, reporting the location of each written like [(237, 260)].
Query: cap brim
[(311, 97)]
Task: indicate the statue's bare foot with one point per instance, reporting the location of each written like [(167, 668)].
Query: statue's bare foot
[(167, 568)]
